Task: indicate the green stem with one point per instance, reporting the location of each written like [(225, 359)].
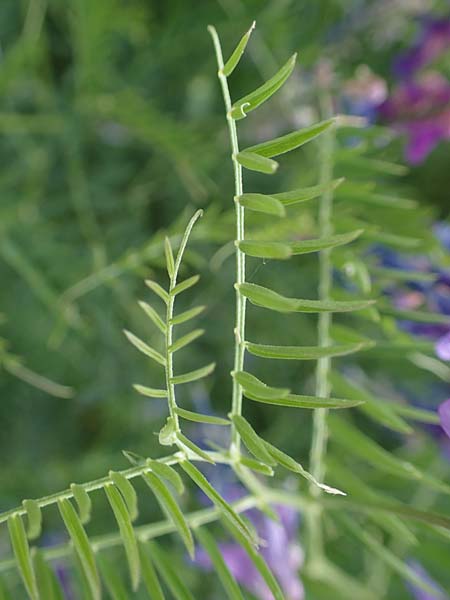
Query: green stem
[(239, 331), (171, 400), (320, 429)]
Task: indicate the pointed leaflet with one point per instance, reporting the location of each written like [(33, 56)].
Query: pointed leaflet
[(186, 339), (83, 501), (252, 384), (144, 348), (219, 564), (126, 533), (262, 203), (170, 508), (255, 162), (254, 444), (296, 401), (153, 315), (266, 298), (306, 246), (200, 480), (305, 194), (81, 545), (255, 465), (251, 101), (21, 551), (301, 352), (232, 62), (166, 472), (289, 142), (128, 492), (276, 250), (159, 291), (193, 375), (48, 585), (185, 442), (169, 258), (184, 240), (199, 418), (169, 573), (149, 575), (34, 516), (150, 392), (187, 315)]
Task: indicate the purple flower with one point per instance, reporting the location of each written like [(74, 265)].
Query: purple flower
[(362, 94), (442, 347), (281, 551), (444, 415)]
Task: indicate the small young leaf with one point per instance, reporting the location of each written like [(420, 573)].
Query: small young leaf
[(150, 392), (144, 348), (296, 401), (83, 501), (34, 515), (169, 573), (166, 472), (153, 315), (253, 385), (254, 444), (184, 285), (306, 246), (308, 193), (234, 59), (219, 564), (187, 315), (242, 107), (128, 492), (186, 443), (48, 585), (199, 418), (159, 291), (266, 298), (289, 142), (194, 375), (262, 203), (169, 257), (167, 435), (300, 352), (171, 509), (81, 545), (186, 339), (21, 551), (276, 250), (255, 162), (200, 480)]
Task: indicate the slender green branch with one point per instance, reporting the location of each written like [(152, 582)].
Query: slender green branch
[(239, 331), (320, 430)]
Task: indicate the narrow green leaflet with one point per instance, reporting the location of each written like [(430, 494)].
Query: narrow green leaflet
[(81, 545), (200, 480), (402, 275), (305, 194), (128, 492), (170, 508), (257, 560), (186, 443), (252, 384), (169, 573), (276, 250), (83, 500), (159, 291), (220, 567), (235, 57), (262, 203), (34, 516), (254, 444), (307, 246), (187, 315), (21, 551), (289, 142), (186, 339), (242, 107), (300, 352), (185, 285), (255, 465), (199, 418), (123, 519), (289, 463), (416, 315), (370, 165), (112, 579), (150, 392), (194, 375), (153, 315), (48, 585), (184, 240), (144, 348), (266, 298), (416, 414), (169, 257), (296, 401), (255, 162), (166, 472), (149, 575)]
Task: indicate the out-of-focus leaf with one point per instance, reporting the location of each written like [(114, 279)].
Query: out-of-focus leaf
[(149, 576), (21, 551)]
